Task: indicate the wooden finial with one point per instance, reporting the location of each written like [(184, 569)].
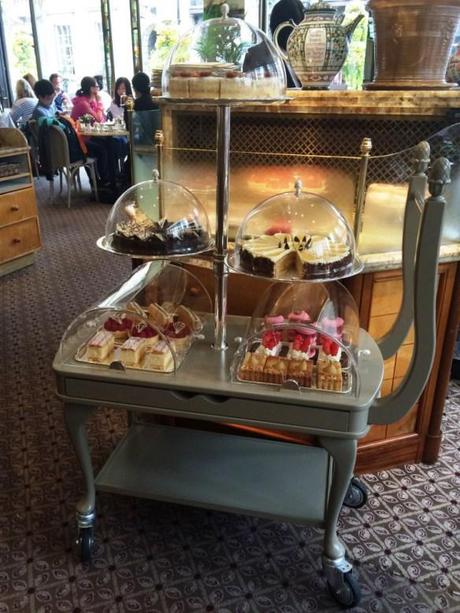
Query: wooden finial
[(159, 137), (439, 176), (421, 157)]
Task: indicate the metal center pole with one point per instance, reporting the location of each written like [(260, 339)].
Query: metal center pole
[(220, 268)]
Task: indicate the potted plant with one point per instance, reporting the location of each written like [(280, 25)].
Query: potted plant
[(413, 41)]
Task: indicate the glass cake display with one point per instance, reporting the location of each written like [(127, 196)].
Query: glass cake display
[(157, 219), (296, 235), (224, 59), (149, 323), (301, 335)]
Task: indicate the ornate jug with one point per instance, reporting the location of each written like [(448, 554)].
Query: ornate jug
[(317, 47)]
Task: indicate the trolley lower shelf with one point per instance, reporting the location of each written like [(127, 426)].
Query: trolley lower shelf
[(220, 471)]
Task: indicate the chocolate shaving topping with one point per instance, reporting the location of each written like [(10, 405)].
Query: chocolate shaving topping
[(286, 246), (279, 245), (309, 243), (296, 239)]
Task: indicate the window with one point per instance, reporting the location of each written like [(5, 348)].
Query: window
[(70, 40), (64, 50), (19, 39)]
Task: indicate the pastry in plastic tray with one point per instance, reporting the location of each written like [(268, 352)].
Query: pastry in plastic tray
[(275, 360), (137, 344)]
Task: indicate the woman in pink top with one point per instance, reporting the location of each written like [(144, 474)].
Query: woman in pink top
[(87, 101)]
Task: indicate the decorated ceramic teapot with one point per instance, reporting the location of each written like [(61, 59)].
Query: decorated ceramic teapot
[(317, 47)]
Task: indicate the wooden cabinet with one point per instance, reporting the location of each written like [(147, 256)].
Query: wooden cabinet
[(19, 229), (379, 297)]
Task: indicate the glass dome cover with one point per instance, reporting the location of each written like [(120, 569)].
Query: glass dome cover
[(163, 304), (157, 219), (296, 235), (302, 336), (224, 59)]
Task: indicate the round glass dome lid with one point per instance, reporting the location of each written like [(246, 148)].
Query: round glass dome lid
[(296, 235), (224, 59), (157, 219)]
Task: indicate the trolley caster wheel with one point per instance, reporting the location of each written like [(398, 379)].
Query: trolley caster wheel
[(85, 543), (356, 496), (348, 593)]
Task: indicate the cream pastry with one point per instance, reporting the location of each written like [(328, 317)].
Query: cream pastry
[(159, 357), (132, 350), (100, 346)]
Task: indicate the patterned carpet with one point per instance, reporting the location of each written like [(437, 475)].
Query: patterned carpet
[(163, 558)]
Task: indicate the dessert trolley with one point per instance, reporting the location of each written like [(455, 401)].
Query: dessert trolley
[(241, 474)]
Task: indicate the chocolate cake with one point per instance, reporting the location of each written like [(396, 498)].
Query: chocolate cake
[(147, 237)]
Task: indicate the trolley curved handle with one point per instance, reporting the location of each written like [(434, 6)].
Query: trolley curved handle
[(391, 408), (393, 339)]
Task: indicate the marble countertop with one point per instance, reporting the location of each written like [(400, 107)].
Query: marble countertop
[(405, 103), (376, 262)]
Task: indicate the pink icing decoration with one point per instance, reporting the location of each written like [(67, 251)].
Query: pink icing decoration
[(273, 320), (299, 316), (282, 226)]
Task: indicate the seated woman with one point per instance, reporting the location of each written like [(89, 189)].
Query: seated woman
[(25, 102), (122, 88), (88, 102)]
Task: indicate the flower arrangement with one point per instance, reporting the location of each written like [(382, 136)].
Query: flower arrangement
[(87, 119)]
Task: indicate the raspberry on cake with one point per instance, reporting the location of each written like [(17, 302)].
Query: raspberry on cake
[(119, 326), (271, 343), (329, 350), (179, 335), (302, 348), (143, 330)]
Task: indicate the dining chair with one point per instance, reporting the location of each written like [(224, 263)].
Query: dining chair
[(59, 160), (31, 132)]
